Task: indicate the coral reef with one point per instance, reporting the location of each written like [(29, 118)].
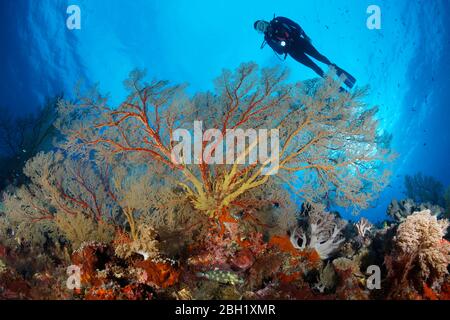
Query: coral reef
[(79, 228), (227, 277), (423, 189), (2, 267), (420, 256), (241, 264), (144, 124), (447, 202), (421, 235), (327, 279), (22, 137), (363, 227), (323, 232), (145, 244), (107, 276), (110, 202), (349, 285), (400, 210)]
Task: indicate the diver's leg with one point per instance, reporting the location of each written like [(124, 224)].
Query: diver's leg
[(305, 60), (306, 47), (349, 80), (313, 52)]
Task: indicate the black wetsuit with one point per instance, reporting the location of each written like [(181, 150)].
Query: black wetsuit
[(285, 31)]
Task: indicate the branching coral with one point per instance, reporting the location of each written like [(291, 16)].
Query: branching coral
[(424, 189), (400, 210), (21, 137), (115, 174), (350, 284), (327, 279), (61, 185), (447, 202), (363, 227), (84, 200), (322, 233), (420, 237), (2, 267), (145, 244), (79, 228), (7, 234), (141, 193), (271, 208), (147, 194), (327, 136), (26, 231)]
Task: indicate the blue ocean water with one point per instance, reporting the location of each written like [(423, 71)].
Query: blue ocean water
[(405, 62)]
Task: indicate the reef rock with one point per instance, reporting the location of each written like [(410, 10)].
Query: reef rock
[(90, 257), (158, 273)]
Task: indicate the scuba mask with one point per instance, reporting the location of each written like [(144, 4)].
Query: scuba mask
[(261, 26)]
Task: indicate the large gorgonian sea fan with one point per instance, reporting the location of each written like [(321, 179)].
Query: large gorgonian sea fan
[(328, 137)]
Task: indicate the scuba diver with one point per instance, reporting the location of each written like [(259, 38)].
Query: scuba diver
[(285, 36)]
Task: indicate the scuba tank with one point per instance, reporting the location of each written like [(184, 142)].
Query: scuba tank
[(281, 36)]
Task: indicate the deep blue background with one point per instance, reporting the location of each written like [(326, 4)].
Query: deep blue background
[(405, 62)]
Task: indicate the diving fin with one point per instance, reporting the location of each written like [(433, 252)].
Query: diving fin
[(342, 90), (348, 79), (349, 83)]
